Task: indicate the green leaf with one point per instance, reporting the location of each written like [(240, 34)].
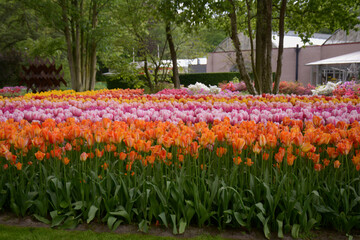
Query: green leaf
[(117, 224), (295, 231), (143, 226), (310, 224), (163, 218), (91, 214), (280, 228), (53, 214), (159, 194), (70, 223), (77, 205), (122, 213), (261, 218), (64, 204), (239, 219), (260, 206), (266, 228), (110, 222), (173, 219), (182, 226), (41, 219), (15, 208), (57, 221)]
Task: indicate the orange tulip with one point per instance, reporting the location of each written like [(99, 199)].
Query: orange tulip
[(68, 147), (326, 162), (307, 146), (122, 156), (317, 121), (237, 160), (18, 166), (39, 155), (129, 142), (256, 148), (298, 138), (285, 138), (290, 159), (249, 162), (280, 155), (271, 140), (238, 144), (344, 146), (132, 156), (331, 151), (105, 166), (66, 160), (83, 156), (221, 151), (262, 140), (150, 159), (99, 153), (181, 158), (265, 156), (337, 164), (318, 167), (21, 143)]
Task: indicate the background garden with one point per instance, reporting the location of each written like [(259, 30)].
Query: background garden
[(147, 145)]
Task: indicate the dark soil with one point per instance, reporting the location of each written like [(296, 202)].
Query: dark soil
[(324, 234)]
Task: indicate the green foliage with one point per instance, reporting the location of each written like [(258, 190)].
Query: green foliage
[(10, 67), (118, 81), (207, 78)]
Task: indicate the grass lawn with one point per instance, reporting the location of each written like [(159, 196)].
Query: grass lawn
[(22, 233)]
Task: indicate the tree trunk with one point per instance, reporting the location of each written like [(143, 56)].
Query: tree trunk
[(267, 83), (81, 46), (77, 45), (256, 78), (169, 38), (264, 45), (93, 45), (147, 74), (67, 34), (239, 57), (281, 46)]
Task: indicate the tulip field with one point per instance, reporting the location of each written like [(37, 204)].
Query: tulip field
[(284, 164)]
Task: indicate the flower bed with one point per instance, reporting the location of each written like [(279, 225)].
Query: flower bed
[(205, 167), (11, 91), (121, 106)]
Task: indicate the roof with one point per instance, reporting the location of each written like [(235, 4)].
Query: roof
[(343, 59), (341, 36), (291, 39)]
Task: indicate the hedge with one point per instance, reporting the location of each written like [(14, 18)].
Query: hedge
[(118, 82), (207, 78)]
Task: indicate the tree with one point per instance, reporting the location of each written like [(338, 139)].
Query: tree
[(304, 16), (16, 24), (78, 21)]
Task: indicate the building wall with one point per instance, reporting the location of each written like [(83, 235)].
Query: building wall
[(224, 61)]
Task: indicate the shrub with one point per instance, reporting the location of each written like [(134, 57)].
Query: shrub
[(207, 78), (117, 81), (10, 67), (295, 88), (351, 88)]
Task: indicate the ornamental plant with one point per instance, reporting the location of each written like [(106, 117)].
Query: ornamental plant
[(350, 88), (295, 88), (200, 88), (11, 91), (41, 75), (326, 89), (122, 105), (282, 178)]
